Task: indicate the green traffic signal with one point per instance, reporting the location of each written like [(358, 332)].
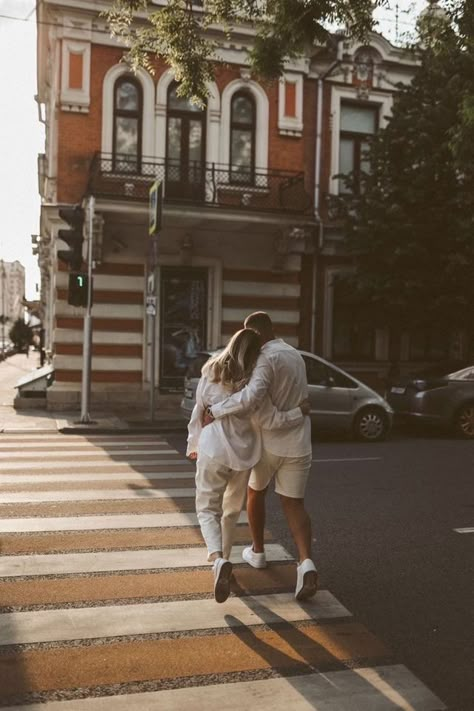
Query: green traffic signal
[(78, 289)]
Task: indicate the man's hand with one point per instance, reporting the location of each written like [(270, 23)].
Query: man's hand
[(193, 456), (207, 417), (305, 407)]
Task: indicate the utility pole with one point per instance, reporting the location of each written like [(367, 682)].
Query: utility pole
[(3, 310), (87, 343), (155, 208)]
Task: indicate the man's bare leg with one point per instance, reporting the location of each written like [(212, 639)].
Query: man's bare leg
[(256, 516), (299, 524)]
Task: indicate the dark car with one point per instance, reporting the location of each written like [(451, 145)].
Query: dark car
[(339, 402), (442, 396)]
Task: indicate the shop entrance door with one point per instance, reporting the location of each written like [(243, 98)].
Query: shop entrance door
[(183, 322)]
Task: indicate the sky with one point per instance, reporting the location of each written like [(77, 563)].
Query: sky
[(22, 135)]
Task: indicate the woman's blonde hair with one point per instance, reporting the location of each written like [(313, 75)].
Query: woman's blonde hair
[(234, 365)]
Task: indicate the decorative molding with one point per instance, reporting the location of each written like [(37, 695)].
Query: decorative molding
[(262, 108), (78, 99), (290, 125), (148, 87)]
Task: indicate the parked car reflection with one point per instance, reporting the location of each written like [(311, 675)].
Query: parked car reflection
[(339, 402), (442, 395)]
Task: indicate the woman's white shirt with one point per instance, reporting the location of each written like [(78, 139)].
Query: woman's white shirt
[(234, 441)]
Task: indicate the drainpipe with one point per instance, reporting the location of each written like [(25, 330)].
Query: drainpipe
[(317, 171)]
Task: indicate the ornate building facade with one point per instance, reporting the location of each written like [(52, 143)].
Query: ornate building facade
[(246, 181)]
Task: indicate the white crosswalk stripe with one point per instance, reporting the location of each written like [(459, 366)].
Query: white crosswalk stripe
[(103, 522), (366, 689), (107, 453), (94, 495), (92, 476), (67, 563)]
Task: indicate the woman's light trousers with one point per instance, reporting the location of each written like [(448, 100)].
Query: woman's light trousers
[(220, 496)]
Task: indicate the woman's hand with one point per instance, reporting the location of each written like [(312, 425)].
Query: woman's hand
[(193, 456), (305, 407), (207, 417)]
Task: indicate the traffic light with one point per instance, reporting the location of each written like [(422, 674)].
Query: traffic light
[(78, 289), (73, 236)]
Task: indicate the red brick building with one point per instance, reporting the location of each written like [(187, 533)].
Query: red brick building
[(245, 219)]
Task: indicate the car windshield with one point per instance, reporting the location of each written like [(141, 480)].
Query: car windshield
[(465, 374)]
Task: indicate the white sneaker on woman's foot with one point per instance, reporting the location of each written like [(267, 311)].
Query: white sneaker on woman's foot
[(222, 577), (306, 580), (256, 560)]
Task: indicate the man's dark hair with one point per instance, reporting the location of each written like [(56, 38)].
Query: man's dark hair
[(260, 322)]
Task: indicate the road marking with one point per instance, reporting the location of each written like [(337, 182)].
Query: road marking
[(75, 452), (91, 476), (464, 530), (156, 618), (29, 465), (108, 561), (381, 687), (100, 522), (352, 459), (4, 447), (94, 495)]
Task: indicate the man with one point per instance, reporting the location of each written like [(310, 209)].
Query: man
[(280, 372)]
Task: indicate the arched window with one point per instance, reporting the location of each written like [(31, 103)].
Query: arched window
[(185, 146), (242, 138), (127, 135)]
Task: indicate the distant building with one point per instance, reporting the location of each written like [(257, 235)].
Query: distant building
[(12, 291), (246, 185)]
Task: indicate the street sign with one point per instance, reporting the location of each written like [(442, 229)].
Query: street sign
[(151, 305), (156, 201), (150, 284)]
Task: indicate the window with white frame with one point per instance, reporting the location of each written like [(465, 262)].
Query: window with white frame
[(242, 138), (127, 125), (358, 125)]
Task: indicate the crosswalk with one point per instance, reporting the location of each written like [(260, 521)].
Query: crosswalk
[(106, 598)]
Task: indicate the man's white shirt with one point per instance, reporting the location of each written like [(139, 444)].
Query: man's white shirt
[(280, 373), (235, 441)]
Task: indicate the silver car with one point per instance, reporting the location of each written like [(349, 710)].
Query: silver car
[(441, 396), (339, 402)]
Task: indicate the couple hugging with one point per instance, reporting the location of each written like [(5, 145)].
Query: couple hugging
[(249, 425)]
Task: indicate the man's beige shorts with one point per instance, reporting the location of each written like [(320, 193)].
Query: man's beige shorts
[(291, 474)]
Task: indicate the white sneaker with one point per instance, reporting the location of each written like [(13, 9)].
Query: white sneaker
[(222, 577), (306, 580), (256, 560)]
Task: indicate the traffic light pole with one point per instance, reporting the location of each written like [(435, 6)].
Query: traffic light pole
[(87, 343)]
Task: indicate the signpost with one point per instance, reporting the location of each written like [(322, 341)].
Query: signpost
[(87, 342), (154, 227)]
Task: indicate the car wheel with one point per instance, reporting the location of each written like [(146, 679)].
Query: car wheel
[(464, 420), (370, 425)]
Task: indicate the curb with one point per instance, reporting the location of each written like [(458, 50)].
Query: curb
[(127, 428)]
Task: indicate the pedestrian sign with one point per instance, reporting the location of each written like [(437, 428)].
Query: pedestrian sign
[(156, 200)]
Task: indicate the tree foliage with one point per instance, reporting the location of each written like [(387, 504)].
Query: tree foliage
[(21, 335), (411, 228), (187, 35)]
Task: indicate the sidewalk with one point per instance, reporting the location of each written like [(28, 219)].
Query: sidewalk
[(42, 421)]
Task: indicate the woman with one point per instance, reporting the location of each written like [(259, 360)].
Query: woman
[(227, 449)]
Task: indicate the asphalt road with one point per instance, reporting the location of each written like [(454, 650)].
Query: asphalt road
[(384, 517)]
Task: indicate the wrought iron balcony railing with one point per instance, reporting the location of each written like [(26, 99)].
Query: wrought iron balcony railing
[(209, 184)]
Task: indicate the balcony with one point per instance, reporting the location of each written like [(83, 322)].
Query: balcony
[(207, 184)]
